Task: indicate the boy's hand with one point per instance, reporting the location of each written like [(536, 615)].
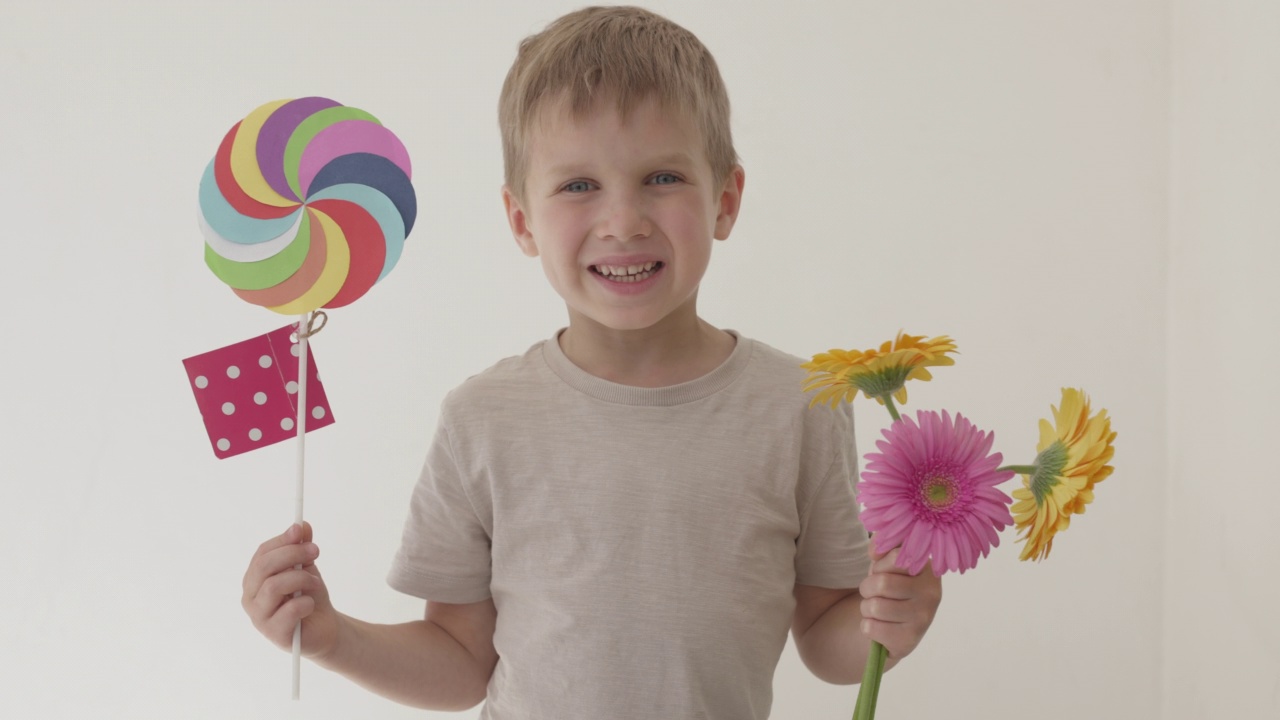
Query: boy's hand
[(898, 608), (272, 579)]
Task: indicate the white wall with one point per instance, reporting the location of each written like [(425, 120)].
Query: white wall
[(1222, 588), (998, 171)]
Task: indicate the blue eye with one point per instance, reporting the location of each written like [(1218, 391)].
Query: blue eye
[(577, 186), (665, 179)]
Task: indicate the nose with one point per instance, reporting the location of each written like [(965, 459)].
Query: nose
[(623, 217)]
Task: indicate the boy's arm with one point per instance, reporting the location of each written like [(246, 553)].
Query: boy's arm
[(833, 628), (827, 635), (442, 662)]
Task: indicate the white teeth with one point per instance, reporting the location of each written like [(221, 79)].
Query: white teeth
[(625, 270), (627, 273)]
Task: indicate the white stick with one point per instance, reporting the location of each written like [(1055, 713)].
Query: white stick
[(304, 323)]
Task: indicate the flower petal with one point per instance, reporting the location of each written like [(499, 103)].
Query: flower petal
[(954, 534)]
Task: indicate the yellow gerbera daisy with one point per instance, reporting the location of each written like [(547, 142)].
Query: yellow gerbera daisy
[(1072, 457), (842, 374)]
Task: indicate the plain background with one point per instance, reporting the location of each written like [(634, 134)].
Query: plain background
[(1081, 193)]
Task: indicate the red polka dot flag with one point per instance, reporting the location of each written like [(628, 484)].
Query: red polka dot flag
[(248, 392)]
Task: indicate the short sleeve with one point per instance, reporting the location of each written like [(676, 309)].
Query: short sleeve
[(831, 550), (444, 553)]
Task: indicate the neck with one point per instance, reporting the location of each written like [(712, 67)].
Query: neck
[(665, 354)]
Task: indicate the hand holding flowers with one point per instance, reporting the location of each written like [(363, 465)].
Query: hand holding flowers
[(930, 495), (897, 606)]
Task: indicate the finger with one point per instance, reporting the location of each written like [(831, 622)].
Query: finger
[(321, 591), (277, 590), (874, 551), (296, 533), (290, 536), (286, 585), (892, 586), (891, 611), (279, 627), (899, 639), (277, 560), (888, 563), (882, 559), (925, 588)]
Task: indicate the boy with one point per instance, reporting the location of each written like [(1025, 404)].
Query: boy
[(624, 521)]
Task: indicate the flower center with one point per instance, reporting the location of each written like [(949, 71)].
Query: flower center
[(938, 491)]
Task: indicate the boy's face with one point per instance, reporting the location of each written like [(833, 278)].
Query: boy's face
[(622, 212)]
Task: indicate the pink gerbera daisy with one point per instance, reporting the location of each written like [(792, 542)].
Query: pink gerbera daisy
[(931, 490)]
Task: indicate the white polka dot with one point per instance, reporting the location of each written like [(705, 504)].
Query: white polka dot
[(228, 408), (202, 382), (260, 398), (255, 434), (291, 387), (286, 424), (317, 412), (264, 361), (233, 372), (296, 349), (224, 444)]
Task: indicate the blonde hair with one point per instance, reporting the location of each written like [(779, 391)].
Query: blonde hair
[(627, 54)]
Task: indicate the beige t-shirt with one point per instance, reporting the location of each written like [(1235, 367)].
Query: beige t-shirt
[(640, 544)]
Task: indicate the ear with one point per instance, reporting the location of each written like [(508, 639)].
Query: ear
[(519, 222), (730, 201)]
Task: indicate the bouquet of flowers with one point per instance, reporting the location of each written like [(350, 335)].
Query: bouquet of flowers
[(932, 490)]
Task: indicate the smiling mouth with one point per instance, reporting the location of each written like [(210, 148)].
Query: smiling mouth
[(628, 273)]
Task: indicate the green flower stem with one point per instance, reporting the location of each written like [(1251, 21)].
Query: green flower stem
[(865, 709), (1020, 469), (888, 404)]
